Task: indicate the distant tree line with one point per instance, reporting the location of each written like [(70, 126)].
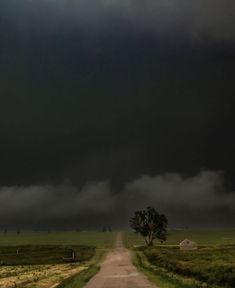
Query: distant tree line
[(107, 229)]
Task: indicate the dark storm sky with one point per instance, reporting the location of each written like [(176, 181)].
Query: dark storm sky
[(108, 91)]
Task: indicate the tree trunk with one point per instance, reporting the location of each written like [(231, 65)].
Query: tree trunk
[(149, 240)]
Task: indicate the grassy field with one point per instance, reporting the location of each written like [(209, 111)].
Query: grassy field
[(37, 276), (41, 266), (212, 265), (44, 254), (97, 239), (39, 259), (202, 237)]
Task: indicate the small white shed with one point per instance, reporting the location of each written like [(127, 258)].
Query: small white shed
[(187, 244)]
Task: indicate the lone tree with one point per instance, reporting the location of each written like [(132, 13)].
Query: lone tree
[(150, 224)]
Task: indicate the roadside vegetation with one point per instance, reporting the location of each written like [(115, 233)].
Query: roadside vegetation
[(208, 265), (79, 280), (212, 265)]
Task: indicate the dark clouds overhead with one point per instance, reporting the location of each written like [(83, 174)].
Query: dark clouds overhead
[(96, 90), (196, 18)]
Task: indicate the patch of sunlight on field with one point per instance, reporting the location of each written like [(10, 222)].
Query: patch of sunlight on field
[(98, 239), (37, 276), (202, 237)]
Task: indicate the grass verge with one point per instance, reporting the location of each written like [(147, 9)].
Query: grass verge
[(79, 280), (140, 261), (162, 277)]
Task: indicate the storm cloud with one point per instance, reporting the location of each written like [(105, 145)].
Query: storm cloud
[(103, 92), (199, 200), (197, 19)]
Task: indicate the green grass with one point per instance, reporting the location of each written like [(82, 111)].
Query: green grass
[(212, 265), (48, 248), (80, 280), (202, 237), (97, 239), (161, 280), (32, 255)]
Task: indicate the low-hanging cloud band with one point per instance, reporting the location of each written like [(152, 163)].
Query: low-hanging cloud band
[(186, 201)]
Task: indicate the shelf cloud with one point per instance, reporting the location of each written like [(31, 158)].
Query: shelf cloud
[(198, 197)]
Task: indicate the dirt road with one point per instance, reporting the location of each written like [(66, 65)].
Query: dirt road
[(117, 271)]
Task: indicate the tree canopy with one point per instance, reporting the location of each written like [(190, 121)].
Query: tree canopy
[(150, 224)]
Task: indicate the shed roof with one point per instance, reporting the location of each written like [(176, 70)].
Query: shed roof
[(187, 242)]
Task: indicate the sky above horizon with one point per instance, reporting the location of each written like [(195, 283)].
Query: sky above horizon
[(107, 106)]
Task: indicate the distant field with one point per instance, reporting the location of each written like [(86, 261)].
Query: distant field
[(97, 239), (39, 260), (44, 254), (202, 237)]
